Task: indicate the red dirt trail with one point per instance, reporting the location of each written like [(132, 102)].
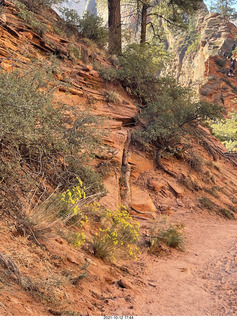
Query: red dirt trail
[(202, 281)]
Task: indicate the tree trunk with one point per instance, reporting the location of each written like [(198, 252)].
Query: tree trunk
[(143, 23), (115, 33)]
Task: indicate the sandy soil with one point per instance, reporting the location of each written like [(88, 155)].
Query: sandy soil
[(202, 281)]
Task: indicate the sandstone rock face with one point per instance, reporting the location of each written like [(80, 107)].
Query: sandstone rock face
[(203, 64), (139, 164), (141, 200), (112, 199)]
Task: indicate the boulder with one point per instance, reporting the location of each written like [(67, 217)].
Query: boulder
[(141, 201), (177, 190)]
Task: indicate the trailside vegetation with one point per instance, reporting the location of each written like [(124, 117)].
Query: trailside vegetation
[(167, 109), (41, 142)]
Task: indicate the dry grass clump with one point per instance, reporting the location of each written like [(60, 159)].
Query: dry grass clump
[(195, 161), (112, 96), (164, 233), (226, 214)]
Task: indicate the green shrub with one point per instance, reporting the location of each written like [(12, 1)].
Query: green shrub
[(34, 5), (190, 183), (70, 16), (137, 70), (234, 200), (39, 142), (164, 119), (108, 74), (167, 106), (89, 26), (74, 52), (207, 203), (195, 161), (220, 62), (89, 177), (212, 191), (193, 41), (32, 19)]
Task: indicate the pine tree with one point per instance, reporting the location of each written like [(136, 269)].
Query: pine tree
[(224, 7), (169, 11)]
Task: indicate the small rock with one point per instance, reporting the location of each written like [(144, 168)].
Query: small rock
[(109, 280), (59, 240), (166, 210), (152, 285), (87, 68), (76, 92), (123, 283), (179, 202), (179, 192), (72, 260), (90, 261), (125, 102)]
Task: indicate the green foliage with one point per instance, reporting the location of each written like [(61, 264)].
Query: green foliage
[(78, 239), (212, 191), (227, 214), (224, 7), (32, 19), (170, 234), (190, 183), (137, 70), (34, 5), (138, 67), (90, 178), (226, 131), (172, 14), (89, 26), (194, 42), (38, 141), (70, 16), (167, 107), (119, 232), (193, 37), (165, 117), (74, 52), (220, 62)]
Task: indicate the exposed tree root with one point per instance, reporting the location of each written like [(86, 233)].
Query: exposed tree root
[(125, 173), (142, 212), (160, 165)]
